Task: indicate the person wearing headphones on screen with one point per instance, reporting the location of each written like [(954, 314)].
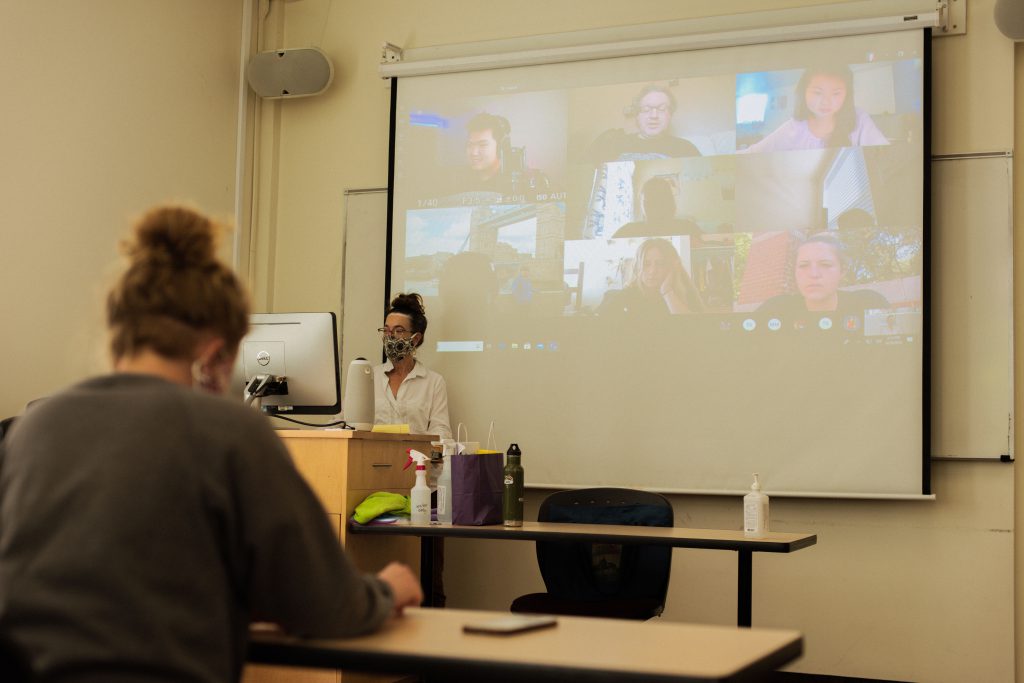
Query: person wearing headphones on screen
[(493, 164), (819, 266), (148, 520), (405, 390), (651, 114), (658, 284), (824, 115)]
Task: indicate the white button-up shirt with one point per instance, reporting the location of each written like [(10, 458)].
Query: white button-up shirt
[(422, 401)]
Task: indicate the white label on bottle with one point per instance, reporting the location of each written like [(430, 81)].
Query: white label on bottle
[(442, 499), (755, 515)]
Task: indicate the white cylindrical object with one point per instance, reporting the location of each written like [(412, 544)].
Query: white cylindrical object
[(358, 404), (755, 511), (419, 498), (444, 483)]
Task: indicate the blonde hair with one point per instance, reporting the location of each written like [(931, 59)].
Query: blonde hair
[(681, 282), (175, 289)]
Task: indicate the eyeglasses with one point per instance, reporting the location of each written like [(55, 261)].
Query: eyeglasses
[(661, 109), (393, 331)]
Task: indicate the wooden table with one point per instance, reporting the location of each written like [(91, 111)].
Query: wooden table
[(430, 642), (676, 537)]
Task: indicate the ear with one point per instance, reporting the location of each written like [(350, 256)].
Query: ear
[(208, 350)]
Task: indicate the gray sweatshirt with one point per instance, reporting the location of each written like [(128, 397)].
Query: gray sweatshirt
[(143, 525)]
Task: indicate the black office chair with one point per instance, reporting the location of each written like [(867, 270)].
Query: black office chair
[(602, 579)]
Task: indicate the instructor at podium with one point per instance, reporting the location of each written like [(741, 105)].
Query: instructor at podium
[(405, 390)]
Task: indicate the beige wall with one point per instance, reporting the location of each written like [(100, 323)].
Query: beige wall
[(108, 107), (907, 591)]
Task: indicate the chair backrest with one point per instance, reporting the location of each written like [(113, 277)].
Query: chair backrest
[(595, 571)]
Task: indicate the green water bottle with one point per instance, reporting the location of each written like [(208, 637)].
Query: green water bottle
[(513, 497)]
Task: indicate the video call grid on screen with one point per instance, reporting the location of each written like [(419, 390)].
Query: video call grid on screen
[(533, 204)]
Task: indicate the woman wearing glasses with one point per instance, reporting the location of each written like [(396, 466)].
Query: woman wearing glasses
[(405, 391), (650, 113)]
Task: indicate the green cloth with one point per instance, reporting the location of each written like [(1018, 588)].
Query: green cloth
[(379, 503)]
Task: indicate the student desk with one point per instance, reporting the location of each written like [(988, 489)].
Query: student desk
[(431, 642), (676, 537)]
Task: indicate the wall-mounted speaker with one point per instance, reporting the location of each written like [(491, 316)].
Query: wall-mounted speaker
[(1009, 16), (298, 72)]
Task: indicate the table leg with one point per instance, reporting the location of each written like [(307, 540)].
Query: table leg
[(427, 569), (744, 591)]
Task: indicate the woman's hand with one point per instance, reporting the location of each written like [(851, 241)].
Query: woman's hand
[(671, 291), (405, 587)]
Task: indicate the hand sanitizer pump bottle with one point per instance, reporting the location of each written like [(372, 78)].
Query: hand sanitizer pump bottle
[(755, 511), (419, 496), (513, 494)]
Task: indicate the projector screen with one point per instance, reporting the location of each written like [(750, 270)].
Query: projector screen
[(670, 271)]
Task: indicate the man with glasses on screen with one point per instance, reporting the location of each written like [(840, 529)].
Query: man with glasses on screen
[(651, 113)]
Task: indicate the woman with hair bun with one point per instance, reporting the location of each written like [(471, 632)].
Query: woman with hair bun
[(405, 390), (146, 520)]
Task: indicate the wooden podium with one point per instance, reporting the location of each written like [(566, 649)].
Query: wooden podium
[(343, 467)]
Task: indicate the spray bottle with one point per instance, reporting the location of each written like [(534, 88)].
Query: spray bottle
[(419, 495), (444, 481), (755, 511)]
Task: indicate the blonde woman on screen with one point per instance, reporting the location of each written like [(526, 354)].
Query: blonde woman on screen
[(658, 284)]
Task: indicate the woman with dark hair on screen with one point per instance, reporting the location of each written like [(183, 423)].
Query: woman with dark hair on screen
[(658, 284), (146, 520), (405, 390), (819, 266), (824, 115)]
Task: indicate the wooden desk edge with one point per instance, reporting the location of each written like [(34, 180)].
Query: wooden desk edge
[(333, 433), (283, 650)]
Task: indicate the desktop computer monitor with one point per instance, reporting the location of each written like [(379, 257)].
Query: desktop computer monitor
[(297, 353)]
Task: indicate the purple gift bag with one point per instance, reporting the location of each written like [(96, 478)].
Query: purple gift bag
[(477, 488)]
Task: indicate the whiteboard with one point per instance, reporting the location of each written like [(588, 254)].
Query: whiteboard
[(363, 263), (972, 307), (971, 300)]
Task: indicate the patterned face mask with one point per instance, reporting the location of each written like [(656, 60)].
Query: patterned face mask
[(396, 348)]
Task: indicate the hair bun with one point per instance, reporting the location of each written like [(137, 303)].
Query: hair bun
[(176, 236), (410, 302)]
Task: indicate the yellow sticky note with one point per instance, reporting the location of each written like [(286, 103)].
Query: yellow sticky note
[(391, 429)]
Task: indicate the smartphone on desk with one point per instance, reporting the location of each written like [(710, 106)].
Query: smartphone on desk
[(501, 626)]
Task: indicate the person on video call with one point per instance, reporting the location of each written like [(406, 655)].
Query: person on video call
[(493, 164), (650, 113), (657, 284), (818, 270), (824, 115), (405, 390), (148, 520), (658, 202)]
